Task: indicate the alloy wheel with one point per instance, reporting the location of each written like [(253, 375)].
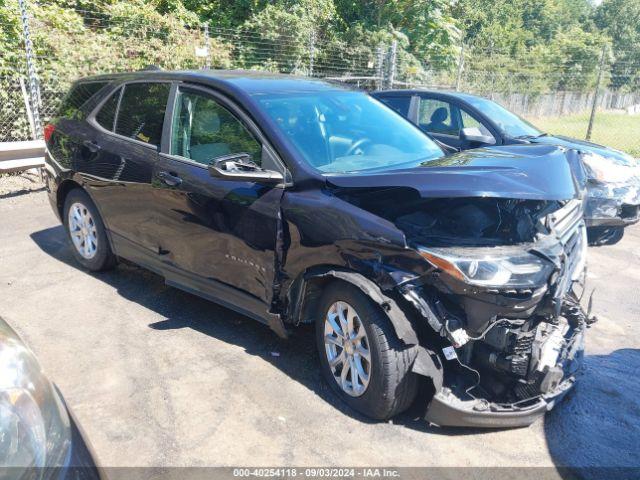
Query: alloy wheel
[(82, 229), (347, 349)]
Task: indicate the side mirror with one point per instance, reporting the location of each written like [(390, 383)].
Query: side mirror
[(473, 135), (238, 167)]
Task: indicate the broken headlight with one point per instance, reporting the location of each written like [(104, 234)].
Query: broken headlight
[(490, 267)]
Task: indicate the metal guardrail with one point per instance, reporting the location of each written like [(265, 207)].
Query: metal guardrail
[(21, 156)]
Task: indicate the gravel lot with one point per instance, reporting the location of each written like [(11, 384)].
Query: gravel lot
[(158, 377)]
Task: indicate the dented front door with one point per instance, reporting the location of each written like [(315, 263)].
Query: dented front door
[(218, 231)]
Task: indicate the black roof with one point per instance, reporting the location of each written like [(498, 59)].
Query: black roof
[(442, 93), (248, 81)]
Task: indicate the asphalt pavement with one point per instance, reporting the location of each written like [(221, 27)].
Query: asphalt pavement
[(159, 377)]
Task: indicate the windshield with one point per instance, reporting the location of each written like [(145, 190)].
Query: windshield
[(338, 132), (510, 123)]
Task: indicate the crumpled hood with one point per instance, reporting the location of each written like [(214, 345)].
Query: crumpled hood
[(528, 172), (617, 156)]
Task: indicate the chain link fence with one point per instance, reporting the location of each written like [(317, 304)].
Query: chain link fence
[(558, 98), (14, 112)]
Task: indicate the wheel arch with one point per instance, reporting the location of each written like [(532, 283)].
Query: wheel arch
[(306, 291), (63, 190), (61, 194)]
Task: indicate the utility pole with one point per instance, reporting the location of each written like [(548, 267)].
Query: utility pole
[(207, 43), (31, 70), (392, 63), (312, 51), (380, 67), (460, 68), (594, 106)]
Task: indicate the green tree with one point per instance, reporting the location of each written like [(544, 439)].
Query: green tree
[(226, 13), (620, 20), (531, 45), (517, 24), (574, 56), (282, 32), (431, 31)]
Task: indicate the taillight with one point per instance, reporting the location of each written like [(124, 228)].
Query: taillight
[(48, 130)]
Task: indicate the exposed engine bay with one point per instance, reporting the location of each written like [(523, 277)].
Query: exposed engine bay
[(511, 338), (455, 221)]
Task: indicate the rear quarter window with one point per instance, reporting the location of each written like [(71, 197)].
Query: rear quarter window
[(78, 96), (399, 104), (106, 116)]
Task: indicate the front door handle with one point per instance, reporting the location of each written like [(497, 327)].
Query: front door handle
[(169, 178), (92, 146)]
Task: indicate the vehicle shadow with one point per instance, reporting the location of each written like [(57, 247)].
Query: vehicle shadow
[(296, 357), (596, 432), (22, 191)]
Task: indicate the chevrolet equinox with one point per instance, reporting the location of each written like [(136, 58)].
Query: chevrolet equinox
[(293, 201)]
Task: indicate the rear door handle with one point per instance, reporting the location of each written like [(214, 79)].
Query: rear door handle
[(169, 178), (91, 145)]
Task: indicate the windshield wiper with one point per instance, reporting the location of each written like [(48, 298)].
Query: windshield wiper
[(533, 137)]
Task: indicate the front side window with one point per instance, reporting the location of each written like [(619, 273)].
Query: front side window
[(341, 131), (436, 116), (141, 111), (204, 130), (470, 122), (508, 122)]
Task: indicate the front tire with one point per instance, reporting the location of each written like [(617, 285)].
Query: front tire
[(601, 236), (361, 357), (86, 232)]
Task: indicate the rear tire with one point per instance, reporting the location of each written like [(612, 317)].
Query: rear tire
[(86, 232), (390, 385)]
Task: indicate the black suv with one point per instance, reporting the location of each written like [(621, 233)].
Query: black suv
[(296, 201)]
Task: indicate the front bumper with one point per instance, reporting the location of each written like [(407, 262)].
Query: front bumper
[(449, 409), (612, 206), (619, 216)]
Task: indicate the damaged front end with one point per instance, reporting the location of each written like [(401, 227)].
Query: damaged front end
[(508, 318), (498, 307), (476, 258)]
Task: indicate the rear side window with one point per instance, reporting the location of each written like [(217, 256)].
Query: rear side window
[(399, 104), (106, 117), (79, 94), (141, 111)]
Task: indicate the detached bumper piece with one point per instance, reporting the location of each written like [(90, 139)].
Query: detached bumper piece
[(448, 410), (455, 407), (610, 206), (621, 216)]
